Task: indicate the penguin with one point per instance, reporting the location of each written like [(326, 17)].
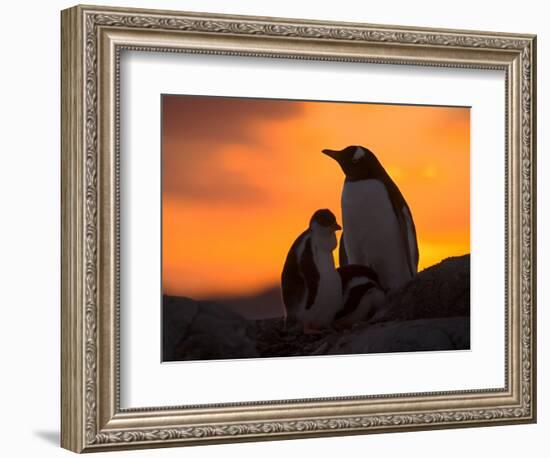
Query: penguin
[(379, 230), (362, 295), (310, 283)]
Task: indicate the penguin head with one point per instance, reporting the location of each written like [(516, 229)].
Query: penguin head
[(323, 225), (357, 162)]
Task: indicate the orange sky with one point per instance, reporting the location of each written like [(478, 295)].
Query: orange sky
[(242, 177)]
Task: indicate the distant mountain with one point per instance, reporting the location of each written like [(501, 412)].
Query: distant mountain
[(263, 305)]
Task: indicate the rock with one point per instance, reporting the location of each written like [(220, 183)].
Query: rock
[(440, 291), (405, 336), (431, 312), (177, 316), (195, 330), (277, 337)]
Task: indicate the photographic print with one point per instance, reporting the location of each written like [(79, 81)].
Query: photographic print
[(305, 228)]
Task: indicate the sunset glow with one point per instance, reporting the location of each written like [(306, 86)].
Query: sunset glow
[(242, 177)]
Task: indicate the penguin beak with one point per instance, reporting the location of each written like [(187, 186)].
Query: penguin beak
[(331, 153), (336, 227)]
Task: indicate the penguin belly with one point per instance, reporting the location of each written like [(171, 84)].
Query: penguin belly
[(372, 235), (329, 297)]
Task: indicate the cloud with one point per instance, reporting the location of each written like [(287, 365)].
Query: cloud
[(222, 119), (198, 130), (210, 181)]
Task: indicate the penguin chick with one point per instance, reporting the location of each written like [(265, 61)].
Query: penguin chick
[(379, 230), (362, 295), (311, 286)]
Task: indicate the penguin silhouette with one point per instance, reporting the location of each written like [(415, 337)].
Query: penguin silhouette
[(311, 286), (379, 230)]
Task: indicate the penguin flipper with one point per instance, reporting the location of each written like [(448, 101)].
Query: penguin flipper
[(292, 282), (310, 273), (409, 236), (342, 255)]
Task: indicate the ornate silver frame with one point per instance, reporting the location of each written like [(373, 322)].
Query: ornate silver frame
[(92, 39)]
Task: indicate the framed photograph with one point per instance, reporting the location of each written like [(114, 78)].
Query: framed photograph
[(278, 228)]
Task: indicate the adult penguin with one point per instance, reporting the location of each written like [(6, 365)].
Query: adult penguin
[(379, 230), (311, 286)]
